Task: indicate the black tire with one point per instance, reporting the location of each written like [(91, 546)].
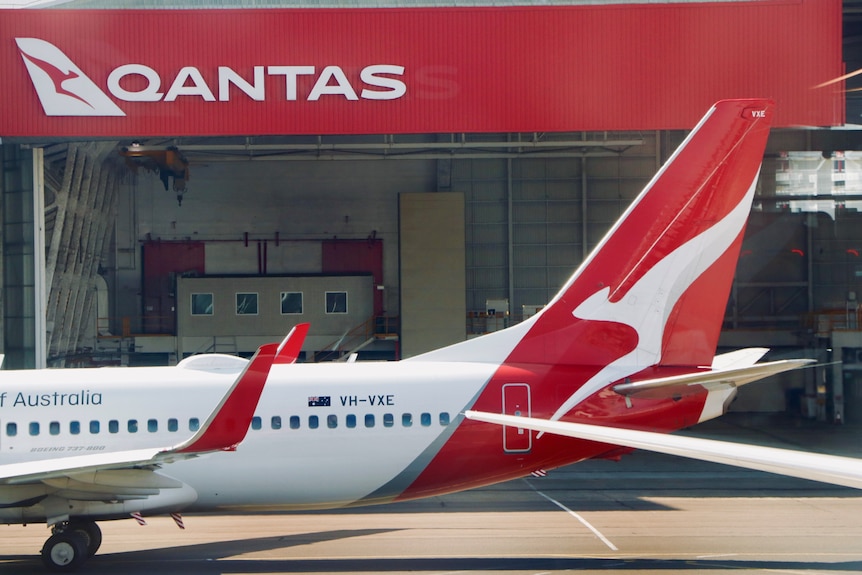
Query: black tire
[(91, 533), (65, 551)]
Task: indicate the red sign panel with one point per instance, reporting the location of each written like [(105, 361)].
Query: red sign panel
[(133, 73)]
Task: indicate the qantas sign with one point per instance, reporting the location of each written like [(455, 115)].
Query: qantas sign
[(65, 90), (163, 73)]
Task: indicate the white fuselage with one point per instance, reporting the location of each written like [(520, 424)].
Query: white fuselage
[(324, 435)]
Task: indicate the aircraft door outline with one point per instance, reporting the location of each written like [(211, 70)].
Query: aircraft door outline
[(516, 401)]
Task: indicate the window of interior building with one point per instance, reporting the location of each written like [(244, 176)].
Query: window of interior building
[(246, 304), (336, 302), (291, 302), (202, 304)]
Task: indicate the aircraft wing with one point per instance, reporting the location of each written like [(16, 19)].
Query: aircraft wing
[(225, 428), (837, 470), (712, 379), (291, 347)]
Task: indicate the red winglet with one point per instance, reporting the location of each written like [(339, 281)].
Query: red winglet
[(229, 422), (290, 348)]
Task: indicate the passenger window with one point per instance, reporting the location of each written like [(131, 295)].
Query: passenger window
[(256, 423), (74, 427), (369, 420), (54, 428), (407, 419), (113, 426), (332, 421), (444, 418), (313, 422), (350, 421), (94, 427), (275, 422), (34, 428), (133, 426), (152, 425), (194, 424), (173, 425), (294, 422), (425, 419), (388, 420), (11, 429)]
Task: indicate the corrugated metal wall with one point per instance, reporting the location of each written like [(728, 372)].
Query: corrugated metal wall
[(497, 69), (525, 218)]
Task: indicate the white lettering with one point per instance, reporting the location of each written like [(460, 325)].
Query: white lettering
[(341, 87), (290, 74), (380, 82), (197, 88), (149, 94), (226, 77), (395, 88)]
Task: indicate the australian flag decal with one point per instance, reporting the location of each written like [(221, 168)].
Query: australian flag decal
[(319, 401)]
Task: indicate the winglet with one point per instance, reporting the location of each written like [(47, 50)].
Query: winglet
[(290, 348), (229, 422)]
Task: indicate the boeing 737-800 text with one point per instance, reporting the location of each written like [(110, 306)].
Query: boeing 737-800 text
[(627, 345)]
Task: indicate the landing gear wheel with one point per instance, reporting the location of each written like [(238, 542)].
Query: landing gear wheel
[(91, 534), (64, 551)]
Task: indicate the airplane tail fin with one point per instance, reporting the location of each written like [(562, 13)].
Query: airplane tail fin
[(654, 290)]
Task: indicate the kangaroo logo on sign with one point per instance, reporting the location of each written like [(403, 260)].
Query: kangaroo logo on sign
[(63, 89)]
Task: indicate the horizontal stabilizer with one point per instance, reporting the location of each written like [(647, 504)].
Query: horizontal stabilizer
[(680, 385), (739, 357), (833, 469)]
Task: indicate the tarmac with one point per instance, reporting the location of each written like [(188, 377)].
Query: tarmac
[(647, 514)]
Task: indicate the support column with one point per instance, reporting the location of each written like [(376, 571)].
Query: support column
[(23, 264)]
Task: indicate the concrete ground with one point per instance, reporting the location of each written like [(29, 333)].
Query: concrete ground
[(645, 514)]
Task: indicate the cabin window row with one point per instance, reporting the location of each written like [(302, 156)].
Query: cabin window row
[(95, 426), (351, 421), (247, 303), (331, 421)]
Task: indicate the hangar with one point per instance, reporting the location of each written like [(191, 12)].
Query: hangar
[(404, 176)]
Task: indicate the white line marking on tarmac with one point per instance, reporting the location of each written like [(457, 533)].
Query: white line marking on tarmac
[(717, 556), (583, 521)]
